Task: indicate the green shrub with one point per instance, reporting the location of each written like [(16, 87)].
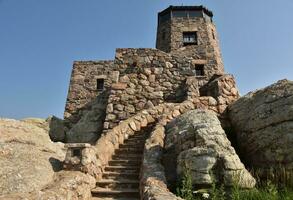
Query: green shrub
[(217, 193), (185, 190)]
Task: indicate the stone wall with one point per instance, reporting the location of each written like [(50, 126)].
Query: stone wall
[(83, 87), (137, 79), (149, 77)]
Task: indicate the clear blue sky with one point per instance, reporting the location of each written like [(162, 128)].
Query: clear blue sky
[(39, 40)]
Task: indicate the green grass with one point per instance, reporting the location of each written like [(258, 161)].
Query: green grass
[(266, 189)]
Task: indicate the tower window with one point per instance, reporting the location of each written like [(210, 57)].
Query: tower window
[(189, 38), (76, 152), (195, 13), (199, 70), (180, 13), (100, 84)]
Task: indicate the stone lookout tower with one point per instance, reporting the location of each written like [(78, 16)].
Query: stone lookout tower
[(186, 65)]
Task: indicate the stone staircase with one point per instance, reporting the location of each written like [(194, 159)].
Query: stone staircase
[(120, 178)]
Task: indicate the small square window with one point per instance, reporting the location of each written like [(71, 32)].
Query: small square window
[(100, 84), (189, 38), (76, 152), (199, 70)]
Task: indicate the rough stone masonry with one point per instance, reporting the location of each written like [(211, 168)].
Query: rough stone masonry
[(186, 64)]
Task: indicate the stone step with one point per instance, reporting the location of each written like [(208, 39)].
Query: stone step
[(118, 184), (135, 143), (128, 150), (125, 162), (140, 138), (128, 155), (137, 135), (102, 192), (131, 146), (120, 175), (136, 139), (128, 169)]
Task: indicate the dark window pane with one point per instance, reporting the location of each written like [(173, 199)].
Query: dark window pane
[(179, 14), (199, 70), (100, 84), (195, 13), (76, 152)]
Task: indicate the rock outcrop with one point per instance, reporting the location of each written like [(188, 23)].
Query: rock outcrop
[(56, 129), (200, 145), (66, 185), (89, 128), (28, 158), (263, 123)]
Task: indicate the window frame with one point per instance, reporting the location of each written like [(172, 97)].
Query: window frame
[(190, 42)]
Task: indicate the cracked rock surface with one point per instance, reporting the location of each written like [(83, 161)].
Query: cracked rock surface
[(263, 123)]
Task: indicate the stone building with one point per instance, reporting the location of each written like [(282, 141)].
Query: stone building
[(186, 64)]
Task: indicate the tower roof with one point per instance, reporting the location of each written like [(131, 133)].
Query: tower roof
[(187, 8)]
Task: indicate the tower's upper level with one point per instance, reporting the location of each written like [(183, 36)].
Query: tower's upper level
[(189, 31), (180, 26)]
